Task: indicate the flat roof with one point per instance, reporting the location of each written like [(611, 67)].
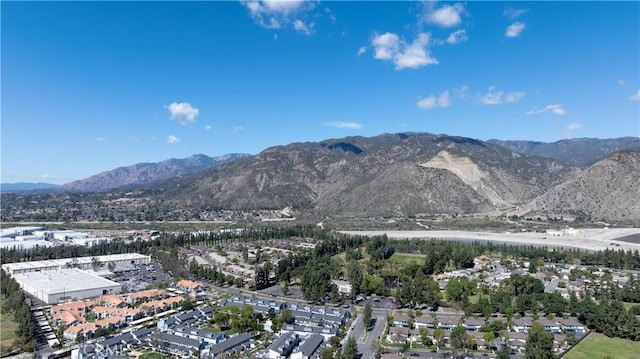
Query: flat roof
[(11, 267), (63, 280), (11, 231)]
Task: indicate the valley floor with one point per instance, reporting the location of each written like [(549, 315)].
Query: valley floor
[(592, 239)]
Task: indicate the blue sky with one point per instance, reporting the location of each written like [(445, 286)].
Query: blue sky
[(91, 86)]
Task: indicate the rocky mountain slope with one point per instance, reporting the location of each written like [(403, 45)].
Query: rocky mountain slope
[(580, 152), (608, 190), (391, 174), (145, 173)]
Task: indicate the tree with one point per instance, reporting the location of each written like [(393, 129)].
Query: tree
[(459, 338), (326, 353), (438, 335), (503, 353), (424, 336), (366, 316), (488, 338), (539, 343), (350, 349)]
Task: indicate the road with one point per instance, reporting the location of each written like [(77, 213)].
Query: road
[(357, 331)]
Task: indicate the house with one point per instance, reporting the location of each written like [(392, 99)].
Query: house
[(180, 346), (308, 347), (343, 286), (234, 344), (110, 322), (522, 325), (304, 330), (283, 346), (473, 324), (478, 337), (74, 307), (572, 325), (425, 321), (112, 300), (190, 286), (549, 325), (447, 321), (146, 295), (87, 330), (197, 334), (517, 340), (400, 320), (68, 318), (398, 335), (116, 344)]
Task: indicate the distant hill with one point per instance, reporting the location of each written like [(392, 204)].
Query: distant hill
[(580, 152), (145, 173), (26, 186), (386, 175), (607, 190)]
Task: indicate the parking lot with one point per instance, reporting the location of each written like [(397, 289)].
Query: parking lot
[(143, 276)]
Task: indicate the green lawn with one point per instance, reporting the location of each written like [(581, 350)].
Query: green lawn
[(598, 346), (154, 356), (7, 326), (407, 258)]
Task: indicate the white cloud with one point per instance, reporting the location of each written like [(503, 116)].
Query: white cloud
[(208, 127), (276, 14), (302, 27), (237, 129), (461, 92), (457, 37), (172, 140), (362, 50), (445, 16), (390, 47), (556, 109), (571, 128), (430, 102), (133, 138), (183, 112), (574, 126), (621, 82), (515, 29), (101, 139), (514, 13), (349, 125), (635, 96), (386, 46), (494, 97), (46, 176), (513, 97)]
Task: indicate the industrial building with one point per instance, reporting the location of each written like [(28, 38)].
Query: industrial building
[(77, 262), (8, 234), (55, 286)]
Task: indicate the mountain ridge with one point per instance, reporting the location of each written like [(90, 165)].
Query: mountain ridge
[(148, 172), (581, 152)]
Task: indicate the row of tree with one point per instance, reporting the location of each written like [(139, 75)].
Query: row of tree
[(14, 302)]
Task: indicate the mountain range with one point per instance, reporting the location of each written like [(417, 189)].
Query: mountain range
[(577, 151), (399, 174), (146, 173), (27, 186), (405, 174)]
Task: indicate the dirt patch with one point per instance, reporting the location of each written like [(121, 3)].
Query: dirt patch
[(468, 172)]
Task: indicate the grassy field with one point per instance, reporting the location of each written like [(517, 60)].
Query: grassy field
[(7, 328), (599, 346), (154, 356), (407, 258)]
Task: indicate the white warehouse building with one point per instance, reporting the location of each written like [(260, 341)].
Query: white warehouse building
[(77, 262), (56, 286)]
